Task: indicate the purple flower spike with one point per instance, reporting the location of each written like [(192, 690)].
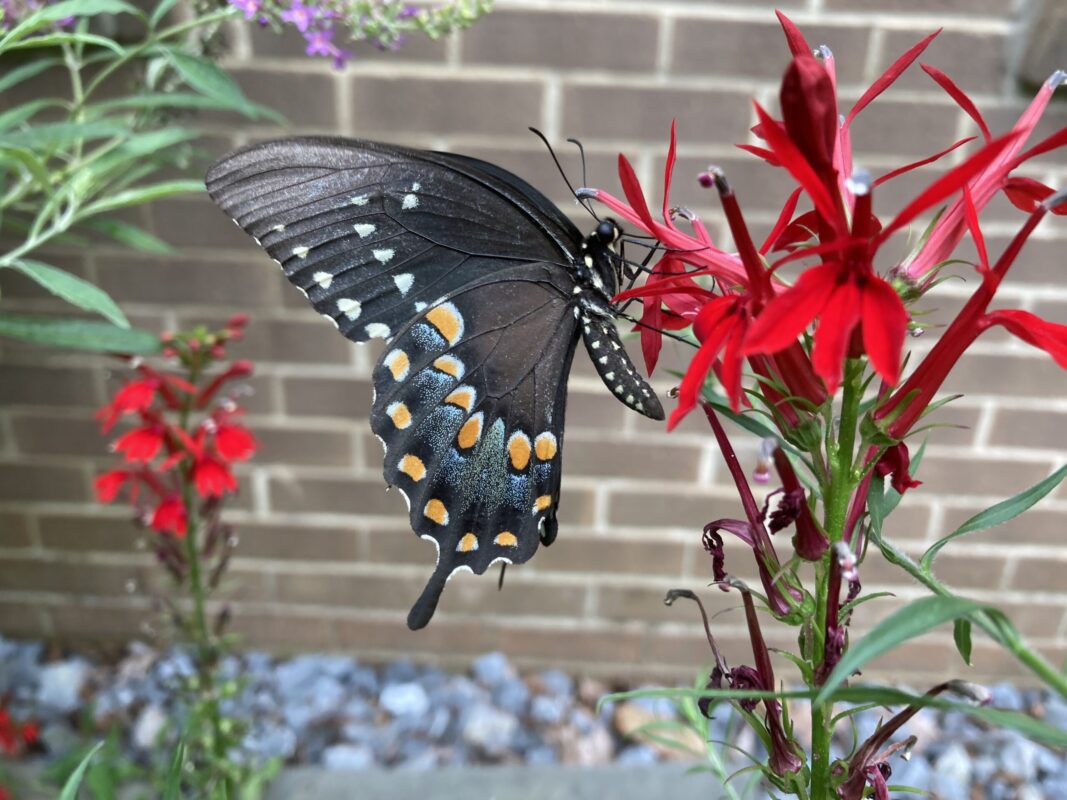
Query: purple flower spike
[(249, 7), (319, 42)]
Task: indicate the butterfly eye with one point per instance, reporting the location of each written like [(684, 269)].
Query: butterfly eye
[(607, 231)]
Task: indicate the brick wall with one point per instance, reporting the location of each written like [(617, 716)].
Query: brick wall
[(327, 559)]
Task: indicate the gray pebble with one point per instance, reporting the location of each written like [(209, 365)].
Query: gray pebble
[(404, 699), (348, 757), (493, 669)]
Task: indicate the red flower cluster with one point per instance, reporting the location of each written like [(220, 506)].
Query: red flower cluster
[(748, 314), (184, 434), (16, 737)]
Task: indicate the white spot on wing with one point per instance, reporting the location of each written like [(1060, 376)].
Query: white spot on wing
[(361, 200), (410, 201), (609, 376), (403, 283), (301, 251), (419, 306), (416, 186), (364, 229), (405, 496), (323, 279), (332, 321), (377, 330), (385, 255), (278, 228), (350, 308)]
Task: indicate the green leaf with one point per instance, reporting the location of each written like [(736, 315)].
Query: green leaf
[(33, 165), (19, 114), (143, 194), (163, 100), (58, 133), (74, 782), (73, 289), (65, 37), (49, 14), (78, 334), (207, 78), (173, 787), (160, 11), (913, 620), (997, 514), (27, 71), (129, 235), (961, 635)]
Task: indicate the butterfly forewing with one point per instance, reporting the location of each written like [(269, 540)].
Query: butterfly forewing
[(369, 231), (469, 405)]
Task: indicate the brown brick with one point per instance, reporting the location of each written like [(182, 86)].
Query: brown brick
[(47, 386), (995, 662), (198, 222), (996, 477), (307, 341), (1039, 620), (610, 555), (593, 410), (630, 459), (640, 604), (930, 654), (284, 630), (15, 530), (283, 542), (350, 591), (976, 61), (327, 397), (1036, 376), (325, 448), (758, 49), (84, 532), (932, 7), (396, 544), (609, 111), (336, 496), (36, 482), (25, 574), (1040, 575), (308, 100), (667, 509), (29, 620), (444, 106), (1044, 430), (570, 40), (906, 129), (245, 284), (266, 44), (85, 622), (37, 434), (969, 572)]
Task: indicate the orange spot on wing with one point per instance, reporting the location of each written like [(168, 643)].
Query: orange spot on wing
[(470, 432), (468, 543), (519, 450), (435, 510), (398, 364), (400, 414), (506, 539), (447, 321), (545, 446), (462, 397), (542, 502), (413, 467), (450, 365)]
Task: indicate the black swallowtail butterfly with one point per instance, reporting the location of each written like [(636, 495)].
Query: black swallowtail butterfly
[(480, 287)]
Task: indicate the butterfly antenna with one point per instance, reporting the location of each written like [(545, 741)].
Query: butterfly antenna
[(581, 153), (582, 201)]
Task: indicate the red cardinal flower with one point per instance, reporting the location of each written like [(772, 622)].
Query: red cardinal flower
[(108, 485), (170, 516), (140, 445), (212, 477), (135, 395), (234, 442)]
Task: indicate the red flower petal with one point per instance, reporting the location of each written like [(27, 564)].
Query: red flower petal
[(1026, 194), (711, 327), (809, 111), (631, 187), (885, 323), (971, 215), (761, 152), (793, 160), (140, 445), (786, 316), (234, 443), (213, 478), (1049, 336), (889, 76), (108, 485), (947, 185), (957, 94), (784, 216), (793, 37), (668, 169), (921, 163), (832, 337), (170, 517)]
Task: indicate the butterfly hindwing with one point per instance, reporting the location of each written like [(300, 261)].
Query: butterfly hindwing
[(469, 404), (368, 231)]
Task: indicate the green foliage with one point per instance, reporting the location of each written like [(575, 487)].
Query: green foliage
[(68, 163)]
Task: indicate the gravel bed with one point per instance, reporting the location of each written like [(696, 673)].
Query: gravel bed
[(335, 712)]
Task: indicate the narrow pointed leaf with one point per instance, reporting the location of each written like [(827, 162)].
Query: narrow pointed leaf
[(74, 290), (78, 334), (909, 622), (997, 514), (74, 782), (961, 635)]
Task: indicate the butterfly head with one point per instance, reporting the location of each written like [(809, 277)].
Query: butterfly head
[(598, 266)]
